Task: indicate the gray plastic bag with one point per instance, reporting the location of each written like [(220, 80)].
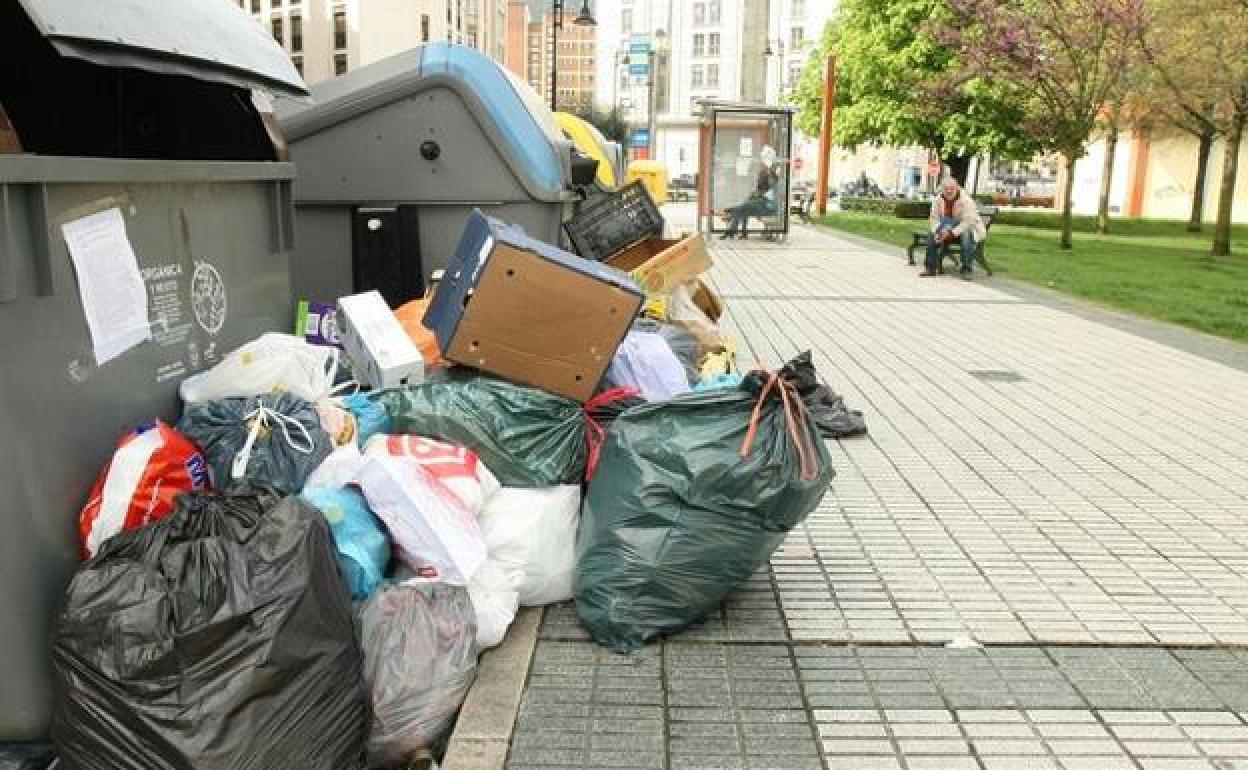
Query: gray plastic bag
[(420, 658), (271, 439)]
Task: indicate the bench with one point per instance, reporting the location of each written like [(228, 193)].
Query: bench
[(953, 249)]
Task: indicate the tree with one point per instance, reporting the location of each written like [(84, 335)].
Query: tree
[(610, 122), (890, 86), (1064, 60), (1179, 90)]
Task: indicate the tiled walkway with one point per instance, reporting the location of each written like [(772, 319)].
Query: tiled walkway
[(1037, 559)]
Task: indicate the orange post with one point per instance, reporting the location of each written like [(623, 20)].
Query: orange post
[(825, 135)]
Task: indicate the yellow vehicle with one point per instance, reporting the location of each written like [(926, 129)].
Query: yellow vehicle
[(653, 174), (591, 142)]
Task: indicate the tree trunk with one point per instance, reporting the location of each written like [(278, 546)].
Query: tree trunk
[(1226, 196), (1107, 180), (959, 165), (1197, 219), (1067, 202)]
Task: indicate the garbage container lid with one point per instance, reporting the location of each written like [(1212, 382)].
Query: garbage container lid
[(204, 39)]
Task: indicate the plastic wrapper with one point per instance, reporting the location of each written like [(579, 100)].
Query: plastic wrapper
[(221, 636), (645, 362), (152, 465), (690, 497), (370, 416), (533, 532), (459, 470), (835, 420), (420, 658), (495, 593), (433, 532), (411, 317), (271, 363), (525, 436), (276, 440), (359, 537)]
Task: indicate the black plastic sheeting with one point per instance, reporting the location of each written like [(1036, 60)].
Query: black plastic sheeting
[(827, 408), (219, 637)]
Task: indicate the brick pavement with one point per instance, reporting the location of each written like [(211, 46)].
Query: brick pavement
[(1037, 559)]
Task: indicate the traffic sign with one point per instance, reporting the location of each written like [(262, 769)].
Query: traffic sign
[(934, 168), (640, 137), (797, 164)]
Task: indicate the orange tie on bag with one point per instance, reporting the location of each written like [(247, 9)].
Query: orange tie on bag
[(794, 410)]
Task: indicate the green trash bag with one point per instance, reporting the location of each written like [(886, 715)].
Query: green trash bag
[(688, 501), (525, 436)]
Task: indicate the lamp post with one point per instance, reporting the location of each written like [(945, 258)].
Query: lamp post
[(583, 19), (652, 109)]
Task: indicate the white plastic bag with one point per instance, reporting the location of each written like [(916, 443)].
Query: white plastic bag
[(495, 599), (338, 470), (420, 658), (646, 362), (459, 470), (431, 528), (270, 363), (534, 531)]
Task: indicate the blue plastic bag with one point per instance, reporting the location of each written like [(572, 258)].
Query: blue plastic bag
[(371, 417), (360, 537)]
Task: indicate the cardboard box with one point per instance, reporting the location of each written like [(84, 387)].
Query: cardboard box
[(524, 310), (660, 264), (381, 353)]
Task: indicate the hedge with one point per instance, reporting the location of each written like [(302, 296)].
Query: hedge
[(903, 209)]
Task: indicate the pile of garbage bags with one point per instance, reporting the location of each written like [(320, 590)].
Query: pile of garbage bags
[(303, 569)]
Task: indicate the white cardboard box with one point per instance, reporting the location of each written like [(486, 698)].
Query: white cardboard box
[(381, 353)]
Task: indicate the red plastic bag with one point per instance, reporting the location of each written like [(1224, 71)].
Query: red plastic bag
[(151, 466)]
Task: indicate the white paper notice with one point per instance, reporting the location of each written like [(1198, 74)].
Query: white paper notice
[(114, 298)]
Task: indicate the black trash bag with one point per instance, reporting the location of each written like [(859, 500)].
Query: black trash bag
[(221, 636), (289, 442), (26, 756), (834, 419), (525, 436), (677, 517)]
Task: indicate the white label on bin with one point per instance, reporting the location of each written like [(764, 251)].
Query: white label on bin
[(208, 298)]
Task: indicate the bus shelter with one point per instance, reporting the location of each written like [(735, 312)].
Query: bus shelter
[(744, 164)]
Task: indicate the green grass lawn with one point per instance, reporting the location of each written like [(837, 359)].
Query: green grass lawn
[(1150, 267)]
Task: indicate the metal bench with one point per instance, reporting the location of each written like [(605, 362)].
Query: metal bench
[(953, 249)]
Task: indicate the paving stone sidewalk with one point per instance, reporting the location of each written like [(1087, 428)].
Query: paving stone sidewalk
[(1037, 559)]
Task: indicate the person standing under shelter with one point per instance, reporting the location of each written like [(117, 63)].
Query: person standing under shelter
[(954, 215)]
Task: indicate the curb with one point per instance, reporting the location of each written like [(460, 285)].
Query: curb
[(483, 730)]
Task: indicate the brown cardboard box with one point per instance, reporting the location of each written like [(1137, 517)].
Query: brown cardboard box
[(708, 300), (526, 311), (660, 264)]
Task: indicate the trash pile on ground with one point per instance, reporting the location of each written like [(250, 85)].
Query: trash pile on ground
[(303, 571)]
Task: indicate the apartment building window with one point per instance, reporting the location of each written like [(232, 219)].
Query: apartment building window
[(795, 72), (340, 63), (626, 21), (712, 76), (296, 33), (696, 76), (797, 36), (255, 6), (277, 30), (424, 28), (340, 32), (714, 11), (699, 13), (699, 45), (298, 62), (712, 44), (797, 9)]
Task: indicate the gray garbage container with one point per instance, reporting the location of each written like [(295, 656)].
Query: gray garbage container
[(146, 107), (393, 157)]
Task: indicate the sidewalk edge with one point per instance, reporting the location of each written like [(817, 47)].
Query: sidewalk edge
[(483, 731)]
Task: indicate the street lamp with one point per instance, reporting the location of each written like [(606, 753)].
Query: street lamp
[(583, 19)]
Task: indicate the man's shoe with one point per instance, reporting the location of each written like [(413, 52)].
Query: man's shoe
[(966, 274), (928, 274)]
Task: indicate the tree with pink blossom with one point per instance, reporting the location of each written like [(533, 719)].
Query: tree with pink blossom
[(1065, 62)]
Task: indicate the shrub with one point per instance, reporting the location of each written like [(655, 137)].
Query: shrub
[(911, 209), (903, 209)]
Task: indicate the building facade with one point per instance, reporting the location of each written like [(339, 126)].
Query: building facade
[(326, 38), (729, 50), (516, 55)]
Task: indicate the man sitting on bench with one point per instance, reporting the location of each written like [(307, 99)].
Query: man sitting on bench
[(954, 215)]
